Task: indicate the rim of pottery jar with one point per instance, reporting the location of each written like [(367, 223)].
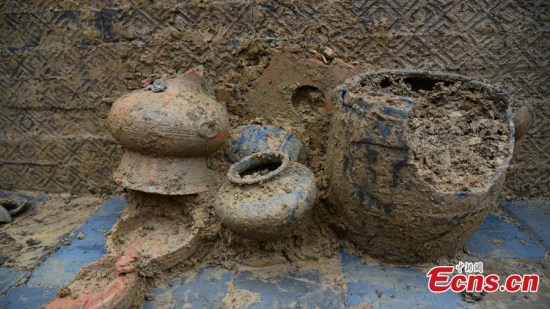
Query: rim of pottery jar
[(257, 160), (495, 92)]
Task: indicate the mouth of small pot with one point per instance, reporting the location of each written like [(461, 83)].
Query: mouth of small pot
[(258, 167), (13, 205)]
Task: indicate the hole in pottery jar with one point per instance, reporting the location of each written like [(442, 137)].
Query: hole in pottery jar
[(258, 167), (418, 83), (9, 205), (209, 129), (12, 204), (308, 95), (385, 83)]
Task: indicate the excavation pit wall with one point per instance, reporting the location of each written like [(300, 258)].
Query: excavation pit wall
[(64, 63)]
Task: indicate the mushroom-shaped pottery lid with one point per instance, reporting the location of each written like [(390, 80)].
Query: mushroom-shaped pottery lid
[(172, 117)]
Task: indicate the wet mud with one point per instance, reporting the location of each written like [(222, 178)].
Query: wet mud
[(458, 134)]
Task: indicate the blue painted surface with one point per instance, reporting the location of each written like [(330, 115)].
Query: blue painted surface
[(384, 286), (461, 195), (61, 267), (534, 217), (9, 277), (250, 139), (498, 239), (297, 289), (26, 297), (205, 289)]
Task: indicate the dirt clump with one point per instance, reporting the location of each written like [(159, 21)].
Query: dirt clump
[(458, 141), (101, 274), (99, 285), (239, 298), (43, 227), (459, 133)]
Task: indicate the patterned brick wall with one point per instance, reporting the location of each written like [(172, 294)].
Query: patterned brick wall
[(62, 63)]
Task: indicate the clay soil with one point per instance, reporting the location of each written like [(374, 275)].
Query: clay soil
[(162, 231), (42, 228), (458, 134), (92, 280)]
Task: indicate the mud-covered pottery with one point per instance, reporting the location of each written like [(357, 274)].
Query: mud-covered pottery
[(167, 135), (161, 233), (393, 186), (163, 174), (249, 139), (266, 196), (110, 282)]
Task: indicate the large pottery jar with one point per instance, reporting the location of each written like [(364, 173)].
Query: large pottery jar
[(167, 135), (417, 159), (266, 196)]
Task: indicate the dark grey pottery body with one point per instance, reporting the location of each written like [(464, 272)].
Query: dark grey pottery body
[(387, 207), (266, 196)]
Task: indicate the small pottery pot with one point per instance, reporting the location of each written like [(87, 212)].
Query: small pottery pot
[(380, 181), (249, 139), (266, 196), (167, 133)]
